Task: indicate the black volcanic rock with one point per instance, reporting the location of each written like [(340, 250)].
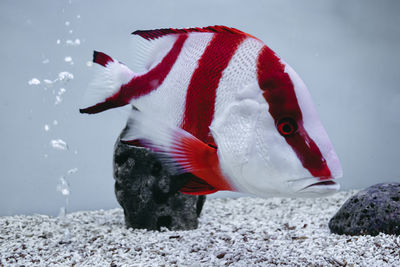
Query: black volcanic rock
[(148, 193), (371, 211)]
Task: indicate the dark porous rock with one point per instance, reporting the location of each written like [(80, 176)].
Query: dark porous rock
[(149, 194), (371, 211)]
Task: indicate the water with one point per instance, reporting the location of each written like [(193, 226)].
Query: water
[(346, 53), (63, 77)]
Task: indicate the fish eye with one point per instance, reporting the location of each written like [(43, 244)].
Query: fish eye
[(287, 126)]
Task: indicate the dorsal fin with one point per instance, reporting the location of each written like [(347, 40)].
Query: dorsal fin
[(154, 34)]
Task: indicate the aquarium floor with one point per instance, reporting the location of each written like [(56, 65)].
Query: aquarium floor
[(237, 232)]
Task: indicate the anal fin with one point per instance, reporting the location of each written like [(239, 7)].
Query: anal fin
[(197, 186)]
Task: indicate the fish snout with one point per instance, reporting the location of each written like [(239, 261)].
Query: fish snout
[(321, 185)]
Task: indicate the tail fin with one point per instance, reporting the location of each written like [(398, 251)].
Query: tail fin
[(101, 58), (103, 91)]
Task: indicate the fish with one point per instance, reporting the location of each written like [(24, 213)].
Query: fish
[(219, 104)]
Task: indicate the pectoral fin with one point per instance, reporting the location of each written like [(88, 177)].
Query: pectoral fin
[(179, 150)]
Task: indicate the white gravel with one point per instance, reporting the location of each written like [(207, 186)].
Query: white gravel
[(237, 232)]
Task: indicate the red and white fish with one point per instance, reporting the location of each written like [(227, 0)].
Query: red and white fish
[(224, 107)]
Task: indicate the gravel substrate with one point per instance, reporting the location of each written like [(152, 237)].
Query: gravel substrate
[(237, 232)]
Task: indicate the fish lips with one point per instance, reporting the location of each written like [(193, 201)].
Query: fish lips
[(315, 186)]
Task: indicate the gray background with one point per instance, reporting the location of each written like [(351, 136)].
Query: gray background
[(347, 52)]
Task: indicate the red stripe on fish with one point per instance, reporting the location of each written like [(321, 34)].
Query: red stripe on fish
[(281, 97), (200, 98), (154, 34), (141, 85)]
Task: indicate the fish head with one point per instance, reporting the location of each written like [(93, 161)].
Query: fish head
[(271, 141)]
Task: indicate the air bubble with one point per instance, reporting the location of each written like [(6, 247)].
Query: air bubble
[(34, 81), (59, 144), (65, 76), (72, 171), (63, 187)]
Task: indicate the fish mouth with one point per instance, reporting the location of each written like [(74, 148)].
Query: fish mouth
[(322, 183), (315, 186)]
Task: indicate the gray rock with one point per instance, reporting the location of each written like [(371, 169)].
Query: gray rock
[(371, 211), (148, 193)]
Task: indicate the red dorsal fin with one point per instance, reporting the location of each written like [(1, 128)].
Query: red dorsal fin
[(154, 34)]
